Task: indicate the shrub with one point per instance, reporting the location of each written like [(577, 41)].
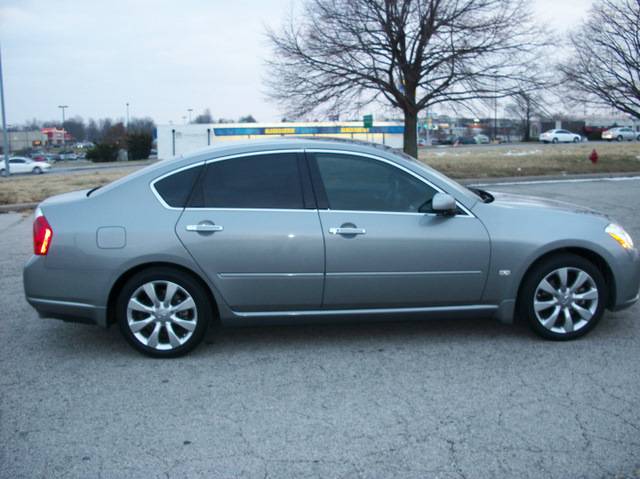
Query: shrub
[(139, 145), (103, 152)]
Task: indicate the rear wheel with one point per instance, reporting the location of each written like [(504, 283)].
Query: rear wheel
[(563, 297), (163, 312)]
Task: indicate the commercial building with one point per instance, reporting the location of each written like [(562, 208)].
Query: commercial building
[(180, 139), (22, 140)]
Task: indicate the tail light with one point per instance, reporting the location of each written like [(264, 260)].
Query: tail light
[(42, 234)]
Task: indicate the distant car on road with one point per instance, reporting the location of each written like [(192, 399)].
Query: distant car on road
[(286, 229), (482, 139), (560, 136), (68, 155), (21, 164), (620, 133)]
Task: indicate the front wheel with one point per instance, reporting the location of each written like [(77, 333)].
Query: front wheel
[(163, 312), (576, 140), (620, 138), (37, 170), (563, 297), (555, 140)]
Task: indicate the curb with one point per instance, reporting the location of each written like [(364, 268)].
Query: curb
[(14, 208), (542, 178), (465, 181)]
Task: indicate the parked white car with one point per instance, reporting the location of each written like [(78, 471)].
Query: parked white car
[(482, 139), (560, 136), (21, 164), (620, 133)]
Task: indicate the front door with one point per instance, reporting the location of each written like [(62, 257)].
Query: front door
[(383, 247), (254, 232)]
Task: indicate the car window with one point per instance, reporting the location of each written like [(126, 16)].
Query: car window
[(260, 181), (175, 189), (16, 160), (365, 184)]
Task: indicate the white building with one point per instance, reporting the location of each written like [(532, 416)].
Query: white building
[(180, 139)]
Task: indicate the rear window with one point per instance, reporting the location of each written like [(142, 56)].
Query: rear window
[(176, 188)]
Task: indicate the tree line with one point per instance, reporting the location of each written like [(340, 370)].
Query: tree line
[(340, 56)]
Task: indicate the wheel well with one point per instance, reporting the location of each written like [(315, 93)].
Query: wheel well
[(597, 260), (120, 282)]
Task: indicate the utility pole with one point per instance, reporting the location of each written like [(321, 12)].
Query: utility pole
[(62, 107), (5, 138)]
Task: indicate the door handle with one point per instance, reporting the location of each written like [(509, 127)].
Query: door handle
[(347, 231), (205, 228)]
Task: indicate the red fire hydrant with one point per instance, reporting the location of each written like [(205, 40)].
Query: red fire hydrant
[(594, 156)]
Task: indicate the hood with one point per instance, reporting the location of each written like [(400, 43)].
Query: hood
[(534, 202)]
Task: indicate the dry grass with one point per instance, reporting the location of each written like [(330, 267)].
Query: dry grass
[(459, 162), (532, 159), (28, 189)]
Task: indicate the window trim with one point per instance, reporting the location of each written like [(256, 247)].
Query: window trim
[(204, 163), (311, 159)]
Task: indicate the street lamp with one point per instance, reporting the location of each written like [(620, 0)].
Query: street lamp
[(190, 110), (63, 107), (5, 139), (127, 114)]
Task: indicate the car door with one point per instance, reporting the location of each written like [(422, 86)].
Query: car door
[(18, 165), (384, 249), (253, 227)]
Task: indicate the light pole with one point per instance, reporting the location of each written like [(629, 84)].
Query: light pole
[(127, 115), (63, 107), (184, 119), (495, 107), (5, 138), (190, 110)]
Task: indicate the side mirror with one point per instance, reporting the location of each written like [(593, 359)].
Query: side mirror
[(444, 204)]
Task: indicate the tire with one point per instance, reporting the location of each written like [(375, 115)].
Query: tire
[(638, 138), (37, 170), (576, 140), (4, 173), (555, 140), (147, 324), (620, 138), (534, 294)]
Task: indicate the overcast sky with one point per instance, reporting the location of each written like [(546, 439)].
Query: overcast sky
[(162, 57)]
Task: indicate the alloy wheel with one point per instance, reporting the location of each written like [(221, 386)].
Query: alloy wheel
[(566, 300), (162, 315)]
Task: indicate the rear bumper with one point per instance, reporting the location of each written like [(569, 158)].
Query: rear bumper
[(69, 311)]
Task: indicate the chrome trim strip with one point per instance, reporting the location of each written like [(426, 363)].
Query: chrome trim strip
[(269, 275), (311, 150), (401, 273), (70, 304), (372, 311)]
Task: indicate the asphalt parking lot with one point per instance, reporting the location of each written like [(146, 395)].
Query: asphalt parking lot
[(433, 399)]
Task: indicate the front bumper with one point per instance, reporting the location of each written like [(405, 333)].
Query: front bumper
[(626, 273)]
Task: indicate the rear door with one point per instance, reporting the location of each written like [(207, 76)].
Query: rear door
[(384, 249), (253, 227)]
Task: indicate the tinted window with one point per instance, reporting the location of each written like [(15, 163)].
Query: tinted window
[(365, 184), (175, 189), (16, 161), (261, 181)]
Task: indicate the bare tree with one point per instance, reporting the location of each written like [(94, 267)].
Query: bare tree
[(341, 55), (526, 106), (605, 66), (204, 117)]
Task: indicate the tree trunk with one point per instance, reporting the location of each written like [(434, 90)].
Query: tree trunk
[(411, 133)]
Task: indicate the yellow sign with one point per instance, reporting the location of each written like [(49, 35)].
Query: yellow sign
[(279, 131), (354, 129)]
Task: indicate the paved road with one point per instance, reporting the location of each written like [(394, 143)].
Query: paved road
[(440, 399)]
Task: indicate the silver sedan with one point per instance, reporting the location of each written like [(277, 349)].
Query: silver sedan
[(304, 229)]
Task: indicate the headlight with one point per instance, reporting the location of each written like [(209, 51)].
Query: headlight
[(618, 233)]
